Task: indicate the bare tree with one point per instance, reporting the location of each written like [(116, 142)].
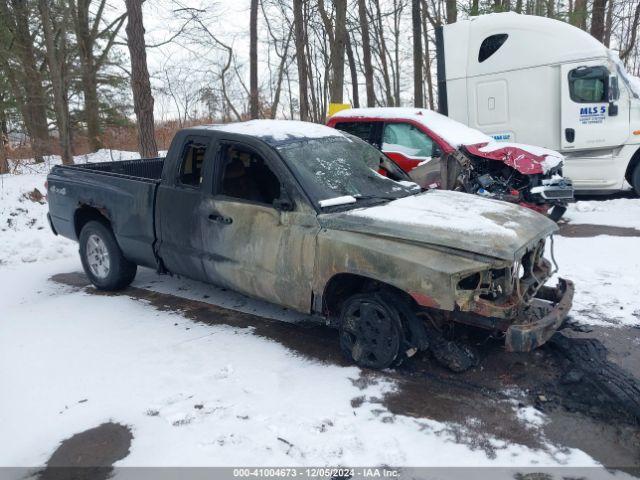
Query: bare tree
[(55, 39), (366, 53), (140, 84), (597, 19), (254, 100), (631, 44), (89, 32), (382, 51), (301, 41), (354, 73), (416, 22)]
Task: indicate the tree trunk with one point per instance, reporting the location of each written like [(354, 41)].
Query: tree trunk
[(4, 162), (354, 74), (607, 35), (366, 53), (425, 33), (634, 34), (301, 58), (452, 11), (578, 18), (597, 19), (29, 79), (281, 73), (55, 53), (254, 107), (551, 8), (140, 84), (416, 19), (382, 52), (88, 31), (88, 72)]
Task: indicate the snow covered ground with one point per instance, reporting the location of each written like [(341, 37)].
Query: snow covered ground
[(196, 394)]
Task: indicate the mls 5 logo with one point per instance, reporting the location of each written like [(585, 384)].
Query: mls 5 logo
[(593, 114), (595, 110)]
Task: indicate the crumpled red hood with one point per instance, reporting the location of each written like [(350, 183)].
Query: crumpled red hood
[(521, 159)]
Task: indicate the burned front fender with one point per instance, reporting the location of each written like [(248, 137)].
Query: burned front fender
[(428, 274)]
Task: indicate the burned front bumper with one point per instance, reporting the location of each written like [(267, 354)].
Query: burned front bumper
[(544, 316)]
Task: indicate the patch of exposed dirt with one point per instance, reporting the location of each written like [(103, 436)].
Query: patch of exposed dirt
[(484, 401), (585, 230), (89, 455)]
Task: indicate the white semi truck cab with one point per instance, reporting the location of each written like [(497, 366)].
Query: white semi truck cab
[(535, 80)]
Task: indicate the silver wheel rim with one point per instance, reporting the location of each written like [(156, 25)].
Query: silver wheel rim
[(98, 256)]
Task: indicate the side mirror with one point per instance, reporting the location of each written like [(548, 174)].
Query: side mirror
[(614, 89), (613, 109), (283, 204)]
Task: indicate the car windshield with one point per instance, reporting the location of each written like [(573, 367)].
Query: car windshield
[(342, 170)]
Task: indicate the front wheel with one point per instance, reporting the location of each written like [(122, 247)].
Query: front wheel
[(102, 259), (371, 332)]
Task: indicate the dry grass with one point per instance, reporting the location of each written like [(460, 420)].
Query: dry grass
[(114, 138)]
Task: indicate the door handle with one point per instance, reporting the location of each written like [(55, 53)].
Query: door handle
[(214, 217), (570, 134)]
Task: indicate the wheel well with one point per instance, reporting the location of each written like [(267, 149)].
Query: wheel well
[(343, 285), (635, 160), (85, 214)]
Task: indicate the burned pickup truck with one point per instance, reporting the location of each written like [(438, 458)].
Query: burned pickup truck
[(290, 213)]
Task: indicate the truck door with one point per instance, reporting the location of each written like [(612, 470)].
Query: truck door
[(594, 114), (178, 205), (257, 239)]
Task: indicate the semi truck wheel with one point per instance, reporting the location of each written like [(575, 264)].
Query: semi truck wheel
[(371, 331), (635, 179), (102, 259)]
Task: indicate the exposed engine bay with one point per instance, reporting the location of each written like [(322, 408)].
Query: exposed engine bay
[(548, 192)]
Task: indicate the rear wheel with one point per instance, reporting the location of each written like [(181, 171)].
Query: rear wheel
[(371, 332), (102, 259)]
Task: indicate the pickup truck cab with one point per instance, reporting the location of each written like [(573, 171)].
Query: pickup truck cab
[(288, 212)]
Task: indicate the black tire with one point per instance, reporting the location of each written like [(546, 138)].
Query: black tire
[(557, 212), (371, 333), (102, 259), (635, 179)]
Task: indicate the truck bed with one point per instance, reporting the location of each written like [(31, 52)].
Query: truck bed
[(142, 169), (123, 192)]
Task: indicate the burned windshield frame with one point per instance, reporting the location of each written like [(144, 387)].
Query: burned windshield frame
[(356, 179)]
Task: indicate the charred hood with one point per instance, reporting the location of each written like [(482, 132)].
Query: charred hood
[(450, 219)]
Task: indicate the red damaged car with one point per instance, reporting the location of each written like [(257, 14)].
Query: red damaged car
[(438, 152)]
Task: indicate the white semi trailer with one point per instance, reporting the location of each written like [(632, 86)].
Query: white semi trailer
[(535, 80)]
